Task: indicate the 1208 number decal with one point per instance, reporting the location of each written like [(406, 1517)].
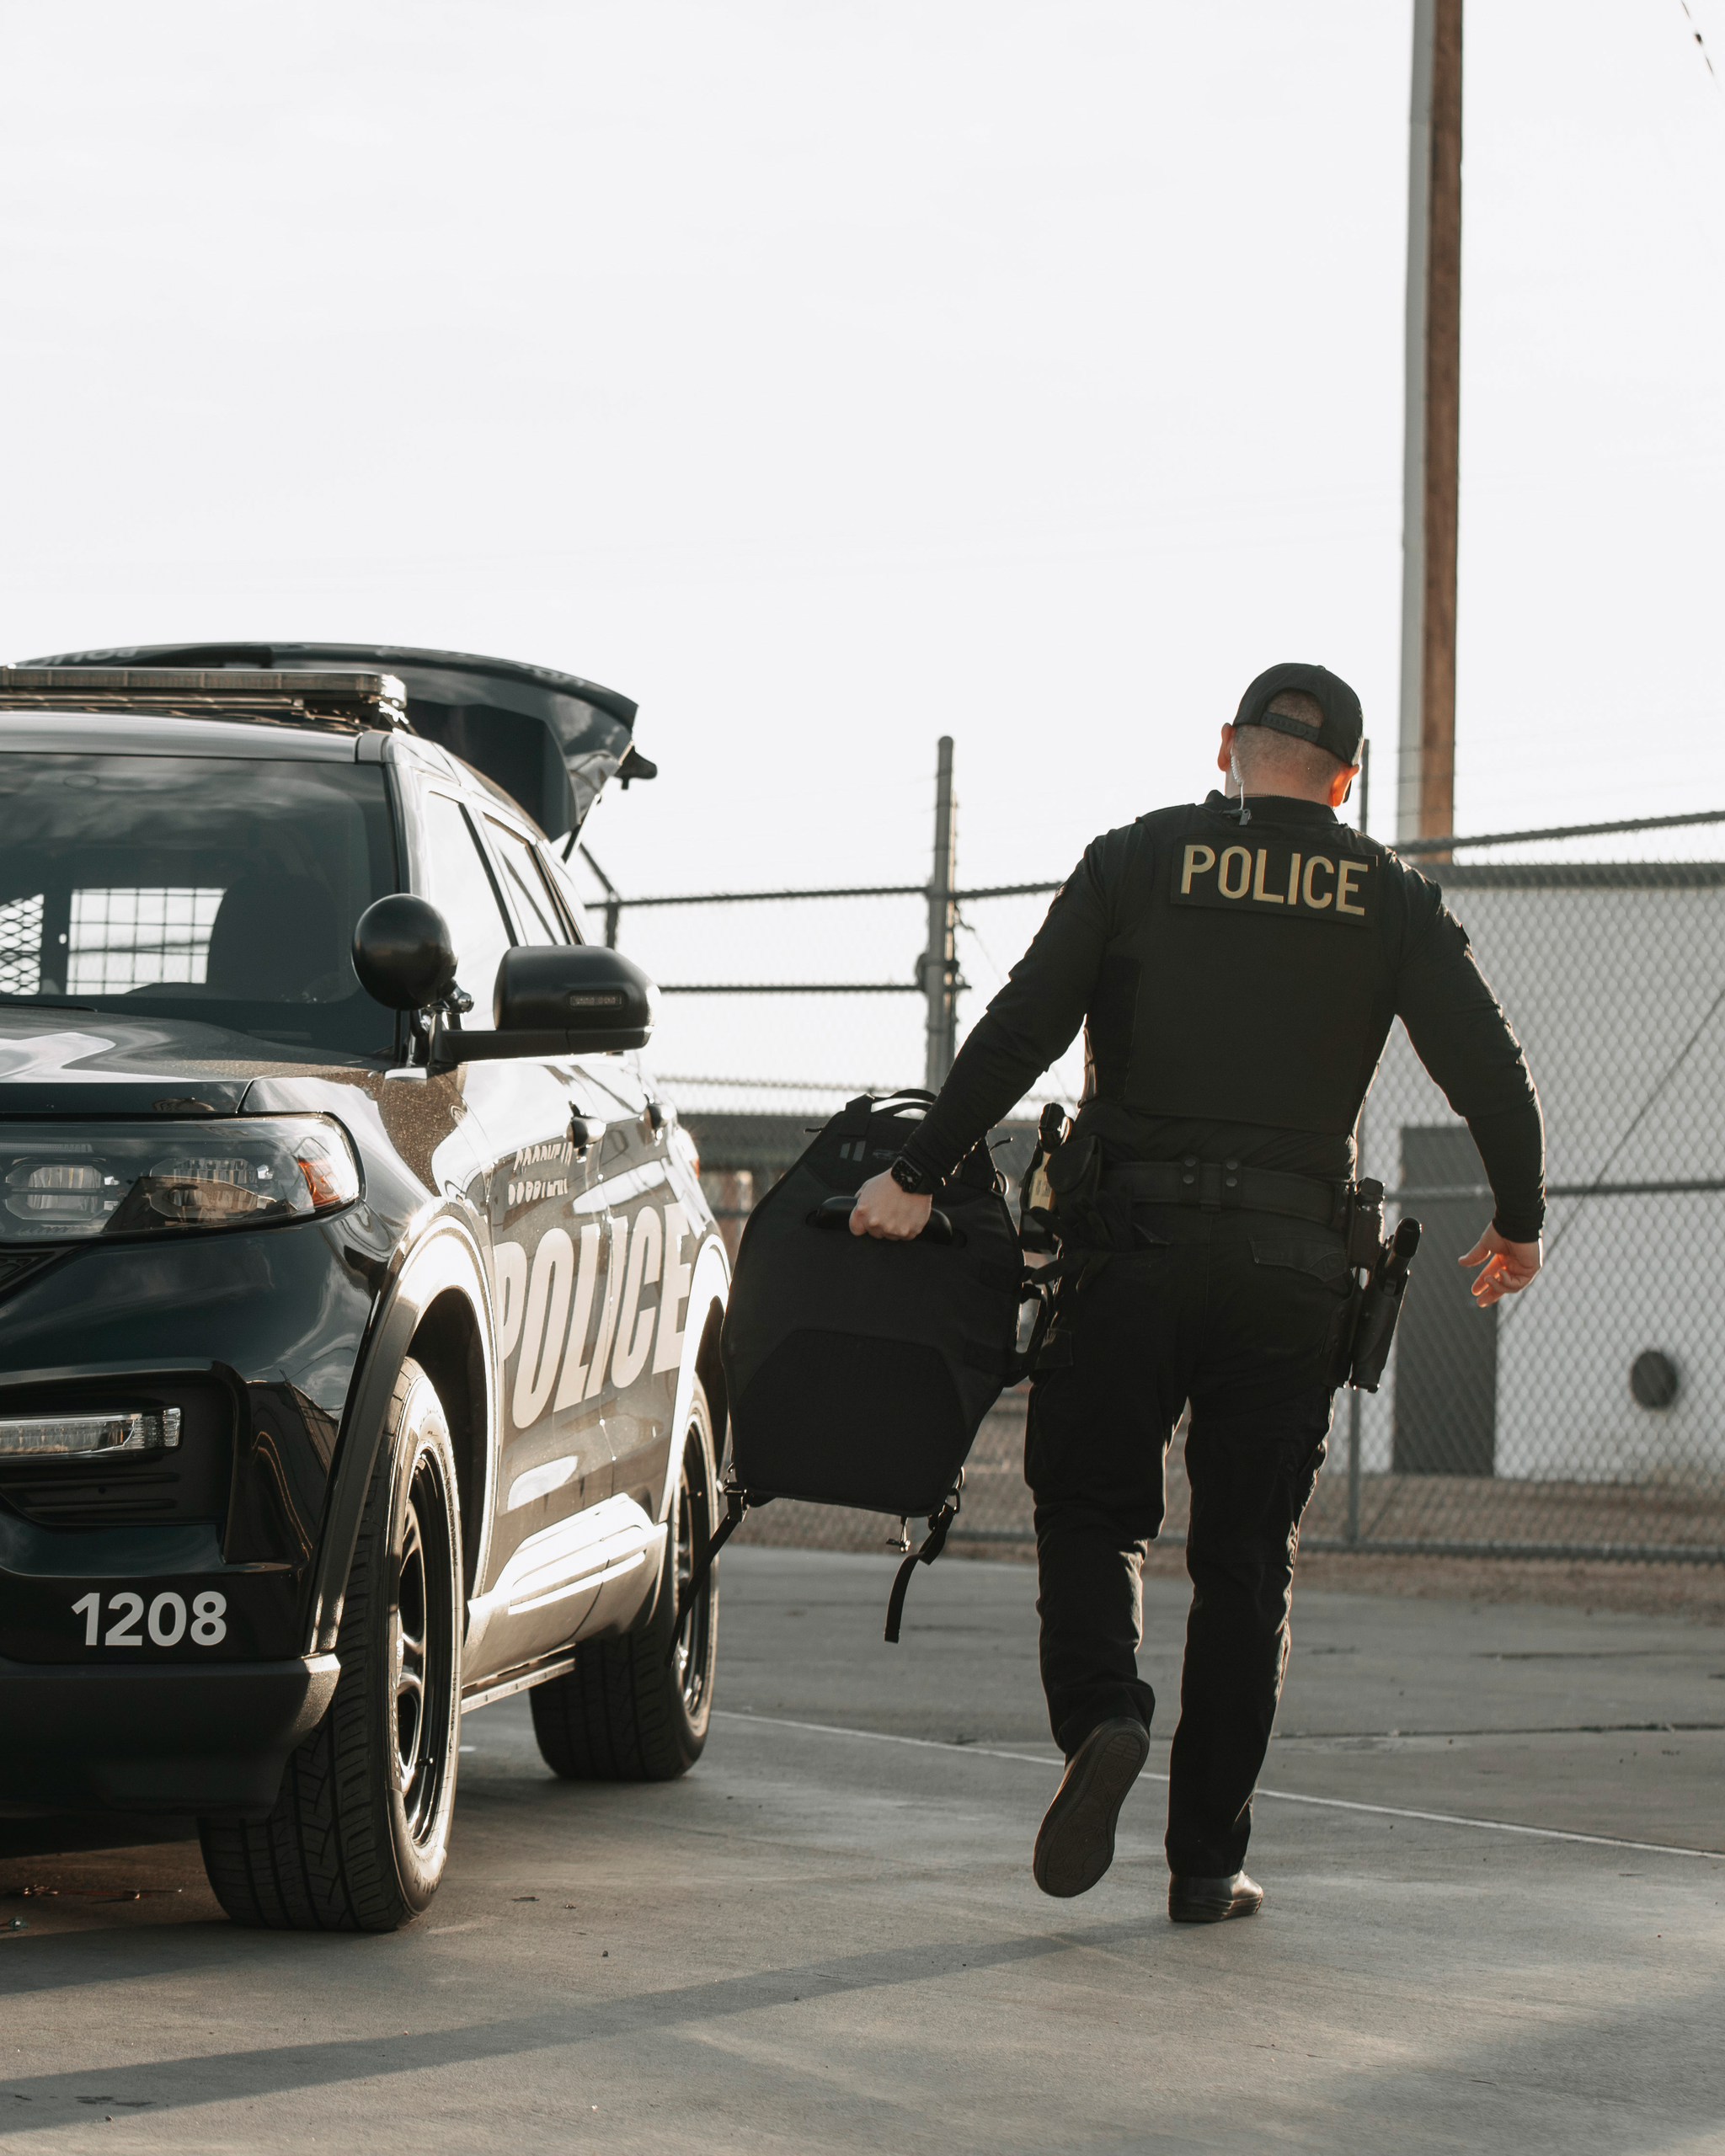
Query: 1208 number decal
[(167, 1622)]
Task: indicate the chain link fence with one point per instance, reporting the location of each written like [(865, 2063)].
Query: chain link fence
[(1585, 1418)]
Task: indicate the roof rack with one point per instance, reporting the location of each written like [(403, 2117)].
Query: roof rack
[(355, 702)]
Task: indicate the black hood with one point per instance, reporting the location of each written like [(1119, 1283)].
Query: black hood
[(89, 1062)]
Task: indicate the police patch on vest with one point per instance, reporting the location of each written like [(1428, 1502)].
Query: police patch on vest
[(1275, 877)]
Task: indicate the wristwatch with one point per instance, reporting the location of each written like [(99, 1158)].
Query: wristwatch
[(916, 1180)]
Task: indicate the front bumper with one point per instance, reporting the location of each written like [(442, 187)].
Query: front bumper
[(210, 1738)]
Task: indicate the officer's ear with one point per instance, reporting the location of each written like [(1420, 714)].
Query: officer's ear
[(1225, 755), (1342, 785)]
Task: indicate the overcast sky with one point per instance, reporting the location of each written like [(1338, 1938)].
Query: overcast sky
[(830, 376)]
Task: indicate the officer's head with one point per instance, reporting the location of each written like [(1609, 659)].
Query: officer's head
[(1297, 731)]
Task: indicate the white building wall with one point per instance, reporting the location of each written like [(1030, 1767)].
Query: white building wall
[(1618, 995)]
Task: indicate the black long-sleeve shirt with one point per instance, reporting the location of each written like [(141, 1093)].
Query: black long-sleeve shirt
[(1074, 974)]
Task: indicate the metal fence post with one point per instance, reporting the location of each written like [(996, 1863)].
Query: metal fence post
[(940, 961), (1351, 1532), (1351, 1529)]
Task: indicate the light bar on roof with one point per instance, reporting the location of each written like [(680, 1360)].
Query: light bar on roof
[(288, 695)]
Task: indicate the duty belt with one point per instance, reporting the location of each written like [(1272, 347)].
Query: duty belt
[(1218, 1186)]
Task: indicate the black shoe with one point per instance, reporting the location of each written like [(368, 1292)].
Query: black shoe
[(1213, 1901), (1075, 1844)]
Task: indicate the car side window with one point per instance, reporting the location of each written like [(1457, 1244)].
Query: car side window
[(462, 892), (535, 914)]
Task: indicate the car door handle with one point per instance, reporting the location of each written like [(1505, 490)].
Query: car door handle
[(585, 1130)]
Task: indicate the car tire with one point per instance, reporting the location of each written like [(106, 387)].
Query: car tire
[(359, 1833), (637, 1709)]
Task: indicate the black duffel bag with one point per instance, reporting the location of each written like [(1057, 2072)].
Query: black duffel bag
[(857, 1371)]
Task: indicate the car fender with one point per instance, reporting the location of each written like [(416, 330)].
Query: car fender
[(710, 1286), (441, 1256)]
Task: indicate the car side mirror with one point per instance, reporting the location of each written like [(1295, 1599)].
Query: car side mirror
[(403, 953), (561, 999), (593, 998)]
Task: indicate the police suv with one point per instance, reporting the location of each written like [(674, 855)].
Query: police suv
[(359, 1304)]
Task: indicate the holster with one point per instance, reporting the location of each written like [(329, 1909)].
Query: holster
[(1380, 1307), (1036, 1196), (1086, 1217)]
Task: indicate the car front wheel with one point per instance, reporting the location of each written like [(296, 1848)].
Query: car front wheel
[(359, 1833)]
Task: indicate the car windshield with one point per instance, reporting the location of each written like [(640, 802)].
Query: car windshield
[(219, 888)]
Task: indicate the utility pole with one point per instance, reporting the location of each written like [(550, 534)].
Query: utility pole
[(1425, 804), (939, 966)]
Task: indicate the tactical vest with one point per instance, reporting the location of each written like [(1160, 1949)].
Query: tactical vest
[(1250, 977)]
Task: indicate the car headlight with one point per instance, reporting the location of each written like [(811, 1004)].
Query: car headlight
[(87, 1437), (63, 1182)]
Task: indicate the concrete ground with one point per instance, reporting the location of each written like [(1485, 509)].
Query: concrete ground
[(1486, 1927)]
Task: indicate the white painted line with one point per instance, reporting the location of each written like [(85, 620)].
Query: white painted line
[(1281, 1795), (1488, 1825), (881, 1737)]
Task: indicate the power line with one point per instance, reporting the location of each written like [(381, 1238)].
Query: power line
[(1698, 40)]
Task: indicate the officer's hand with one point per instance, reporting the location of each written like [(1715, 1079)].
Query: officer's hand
[(1506, 1267), (885, 1210)]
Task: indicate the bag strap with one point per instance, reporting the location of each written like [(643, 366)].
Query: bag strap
[(737, 1503), (938, 1523)]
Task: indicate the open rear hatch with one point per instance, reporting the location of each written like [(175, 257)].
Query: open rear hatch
[(550, 740)]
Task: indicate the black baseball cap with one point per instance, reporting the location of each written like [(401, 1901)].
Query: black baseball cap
[(1343, 724)]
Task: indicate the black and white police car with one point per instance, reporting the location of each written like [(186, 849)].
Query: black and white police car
[(359, 1344)]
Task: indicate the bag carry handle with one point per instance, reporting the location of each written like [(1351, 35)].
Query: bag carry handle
[(835, 1212)]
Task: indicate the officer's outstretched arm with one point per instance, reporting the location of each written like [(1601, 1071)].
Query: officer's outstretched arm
[(1505, 1267)]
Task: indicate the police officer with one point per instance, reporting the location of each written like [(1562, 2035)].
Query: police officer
[(1236, 966)]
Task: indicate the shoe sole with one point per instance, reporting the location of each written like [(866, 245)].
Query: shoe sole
[(1216, 1911), (1075, 1845)]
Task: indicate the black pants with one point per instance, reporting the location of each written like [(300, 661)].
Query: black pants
[(1240, 1314)]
